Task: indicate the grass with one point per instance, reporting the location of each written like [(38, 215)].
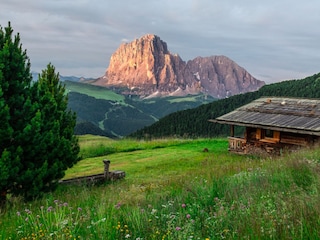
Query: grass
[(189, 98), (141, 157), (175, 190), (94, 91)]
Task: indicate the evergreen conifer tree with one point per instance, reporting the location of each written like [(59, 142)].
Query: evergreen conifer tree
[(15, 80), (36, 131)]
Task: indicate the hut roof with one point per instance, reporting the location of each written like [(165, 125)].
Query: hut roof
[(296, 115)]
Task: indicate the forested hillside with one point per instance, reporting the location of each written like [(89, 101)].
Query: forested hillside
[(194, 122), (106, 112)]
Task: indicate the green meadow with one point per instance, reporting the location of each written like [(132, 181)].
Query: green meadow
[(93, 91), (173, 189)]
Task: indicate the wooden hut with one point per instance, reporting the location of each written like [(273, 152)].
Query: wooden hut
[(273, 124)]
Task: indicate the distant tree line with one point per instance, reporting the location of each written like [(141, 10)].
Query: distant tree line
[(194, 122)]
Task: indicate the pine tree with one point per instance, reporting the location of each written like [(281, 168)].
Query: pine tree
[(37, 129), (15, 79)]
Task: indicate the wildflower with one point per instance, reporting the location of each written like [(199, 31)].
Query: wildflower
[(127, 236), (79, 209), (56, 201), (183, 205), (178, 228), (118, 205), (65, 204), (188, 216), (27, 211), (50, 209), (118, 226), (18, 214)]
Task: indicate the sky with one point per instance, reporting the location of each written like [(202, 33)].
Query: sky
[(273, 40)]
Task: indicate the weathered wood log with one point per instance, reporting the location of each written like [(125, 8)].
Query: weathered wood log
[(97, 178), (106, 168)]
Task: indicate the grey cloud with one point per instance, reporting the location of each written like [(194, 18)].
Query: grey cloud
[(274, 40)]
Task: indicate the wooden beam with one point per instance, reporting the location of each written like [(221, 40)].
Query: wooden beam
[(231, 130)]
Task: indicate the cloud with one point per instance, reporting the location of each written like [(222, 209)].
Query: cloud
[(274, 40)]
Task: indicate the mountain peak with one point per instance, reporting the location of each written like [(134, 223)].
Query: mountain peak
[(149, 36), (145, 66)]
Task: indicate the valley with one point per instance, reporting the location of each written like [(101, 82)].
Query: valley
[(107, 112)]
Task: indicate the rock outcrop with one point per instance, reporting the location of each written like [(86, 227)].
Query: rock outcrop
[(145, 67), (221, 77)]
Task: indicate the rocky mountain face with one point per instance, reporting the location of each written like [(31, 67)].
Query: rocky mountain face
[(145, 67), (221, 77)]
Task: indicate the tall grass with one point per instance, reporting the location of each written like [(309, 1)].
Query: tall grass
[(168, 195), (94, 146)]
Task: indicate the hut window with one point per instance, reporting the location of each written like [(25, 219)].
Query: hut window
[(268, 133)]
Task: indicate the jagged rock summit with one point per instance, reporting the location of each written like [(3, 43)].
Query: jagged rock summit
[(145, 67)]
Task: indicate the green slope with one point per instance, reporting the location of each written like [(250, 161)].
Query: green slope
[(101, 109), (93, 91)]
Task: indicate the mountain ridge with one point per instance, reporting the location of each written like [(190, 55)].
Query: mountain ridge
[(146, 67)]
